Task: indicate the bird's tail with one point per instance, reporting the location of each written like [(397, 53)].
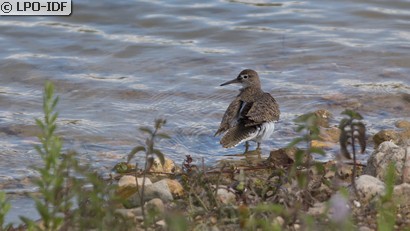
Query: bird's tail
[(237, 135)]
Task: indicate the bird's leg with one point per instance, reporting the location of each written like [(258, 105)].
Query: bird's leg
[(246, 146), (259, 146)]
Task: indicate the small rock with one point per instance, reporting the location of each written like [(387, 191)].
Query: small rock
[(331, 134), (168, 167), (322, 144), (130, 213), (278, 221), (357, 203), (369, 187), (127, 186), (296, 226), (286, 156), (158, 189), (344, 171), (161, 223), (365, 228), (328, 137), (322, 117), (399, 137), (128, 180), (213, 220), (156, 205), (225, 196), (317, 209), (281, 157), (176, 188), (386, 135), (403, 124), (401, 194), (405, 137)]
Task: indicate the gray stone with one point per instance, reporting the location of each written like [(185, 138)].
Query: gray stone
[(158, 189), (225, 196), (136, 213), (155, 204), (401, 194), (369, 187), (386, 153)]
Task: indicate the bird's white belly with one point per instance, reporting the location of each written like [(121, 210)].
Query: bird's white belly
[(262, 133), (265, 131)]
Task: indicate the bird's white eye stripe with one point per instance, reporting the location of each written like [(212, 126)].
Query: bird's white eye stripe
[(244, 76)]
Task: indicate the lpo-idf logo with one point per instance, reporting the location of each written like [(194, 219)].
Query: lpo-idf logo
[(35, 7)]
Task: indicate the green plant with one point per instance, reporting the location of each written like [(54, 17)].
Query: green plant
[(150, 153), (309, 127), (96, 200), (51, 182), (71, 196), (4, 209), (352, 131), (176, 222), (264, 217), (386, 206)]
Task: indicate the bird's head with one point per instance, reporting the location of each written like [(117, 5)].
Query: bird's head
[(246, 78)]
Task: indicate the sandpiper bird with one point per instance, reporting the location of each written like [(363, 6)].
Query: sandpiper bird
[(252, 114)]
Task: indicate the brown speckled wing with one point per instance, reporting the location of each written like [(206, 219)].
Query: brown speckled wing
[(229, 116), (236, 135), (264, 109)]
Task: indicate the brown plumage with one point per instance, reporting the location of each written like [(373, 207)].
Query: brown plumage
[(250, 115)]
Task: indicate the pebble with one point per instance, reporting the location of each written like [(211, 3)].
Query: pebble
[(279, 221), (176, 188), (296, 226), (357, 204), (155, 204), (128, 180), (365, 228), (225, 196)]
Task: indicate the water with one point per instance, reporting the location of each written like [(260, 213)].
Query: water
[(117, 65)]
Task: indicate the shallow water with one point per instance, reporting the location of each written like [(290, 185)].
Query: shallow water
[(117, 65)]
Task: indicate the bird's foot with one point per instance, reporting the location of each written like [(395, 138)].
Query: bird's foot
[(246, 147)]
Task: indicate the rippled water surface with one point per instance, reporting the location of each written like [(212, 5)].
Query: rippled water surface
[(117, 65)]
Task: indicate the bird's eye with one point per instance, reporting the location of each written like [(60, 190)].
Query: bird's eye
[(245, 76)]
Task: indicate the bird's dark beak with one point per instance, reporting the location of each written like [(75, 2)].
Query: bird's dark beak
[(230, 82)]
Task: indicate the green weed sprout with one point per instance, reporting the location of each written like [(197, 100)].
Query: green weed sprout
[(386, 206), (64, 182), (51, 181), (352, 131), (309, 127), (4, 209), (150, 153)]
